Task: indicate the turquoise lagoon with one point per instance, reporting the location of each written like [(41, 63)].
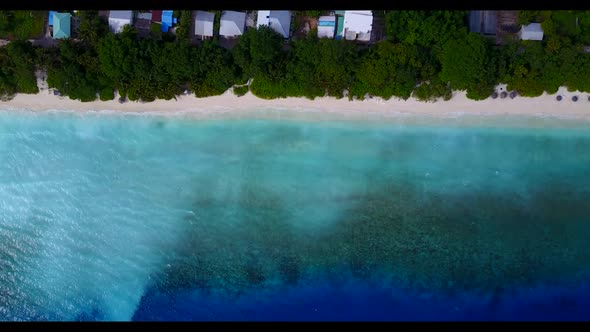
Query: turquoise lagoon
[(110, 216)]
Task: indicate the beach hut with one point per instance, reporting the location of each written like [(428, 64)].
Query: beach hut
[(61, 25), (232, 24), (50, 18), (503, 95), (204, 24), (326, 26), (278, 20), (168, 20), (575, 99), (358, 25), (532, 31), (156, 16), (483, 22), (119, 18), (558, 98)]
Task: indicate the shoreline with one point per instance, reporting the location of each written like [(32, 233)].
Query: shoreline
[(229, 104)]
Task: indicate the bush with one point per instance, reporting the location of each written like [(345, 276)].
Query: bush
[(264, 88), (21, 24), (431, 91), (241, 90), (156, 30), (107, 94)]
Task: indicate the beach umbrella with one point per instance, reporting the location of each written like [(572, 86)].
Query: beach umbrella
[(503, 94), (575, 98), (513, 94), (494, 95), (558, 98)]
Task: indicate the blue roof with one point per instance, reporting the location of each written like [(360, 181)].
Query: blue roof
[(61, 28), (51, 12), (167, 20)]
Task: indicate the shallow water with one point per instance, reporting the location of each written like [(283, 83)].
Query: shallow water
[(130, 217)]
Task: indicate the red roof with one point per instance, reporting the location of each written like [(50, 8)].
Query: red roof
[(156, 16)]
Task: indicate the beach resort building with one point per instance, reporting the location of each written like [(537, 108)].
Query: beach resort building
[(156, 16), (278, 20), (232, 24), (339, 24), (326, 26), (61, 23), (204, 24), (532, 31), (483, 22), (120, 18), (358, 25), (168, 20)]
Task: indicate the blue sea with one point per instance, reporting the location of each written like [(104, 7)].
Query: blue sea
[(110, 216)]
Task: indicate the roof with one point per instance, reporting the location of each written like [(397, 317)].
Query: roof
[(204, 23), (232, 23), (51, 12), (340, 27), (327, 20), (168, 20), (357, 22), (121, 14), (61, 25), (278, 20), (532, 31), (156, 16), (119, 18), (144, 16), (339, 12), (326, 26), (483, 21)]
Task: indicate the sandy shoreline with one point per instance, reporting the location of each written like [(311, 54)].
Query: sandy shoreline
[(543, 106)]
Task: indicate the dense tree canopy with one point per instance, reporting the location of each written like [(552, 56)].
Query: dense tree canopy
[(426, 54)]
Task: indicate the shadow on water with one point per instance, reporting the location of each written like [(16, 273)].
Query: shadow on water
[(251, 250), (477, 241), (395, 234)]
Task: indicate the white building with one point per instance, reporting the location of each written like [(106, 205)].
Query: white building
[(232, 24), (358, 24), (532, 31), (204, 23), (278, 20), (119, 18), (326, 26)]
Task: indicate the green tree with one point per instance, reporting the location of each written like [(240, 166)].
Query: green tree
[(388, 70), (259, 52), (424, 28), (23, 56), (92, 27), (465, 66)]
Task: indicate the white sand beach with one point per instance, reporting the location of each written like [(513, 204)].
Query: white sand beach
[(545, 105)]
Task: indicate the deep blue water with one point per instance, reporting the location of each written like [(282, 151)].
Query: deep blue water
[(127, 217)]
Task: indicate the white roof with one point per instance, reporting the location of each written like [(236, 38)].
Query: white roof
[(204, 23), (145, 16), (119, 18), (532, 31), (357, 22), (326, 31), (232, 23), (278, 20)]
